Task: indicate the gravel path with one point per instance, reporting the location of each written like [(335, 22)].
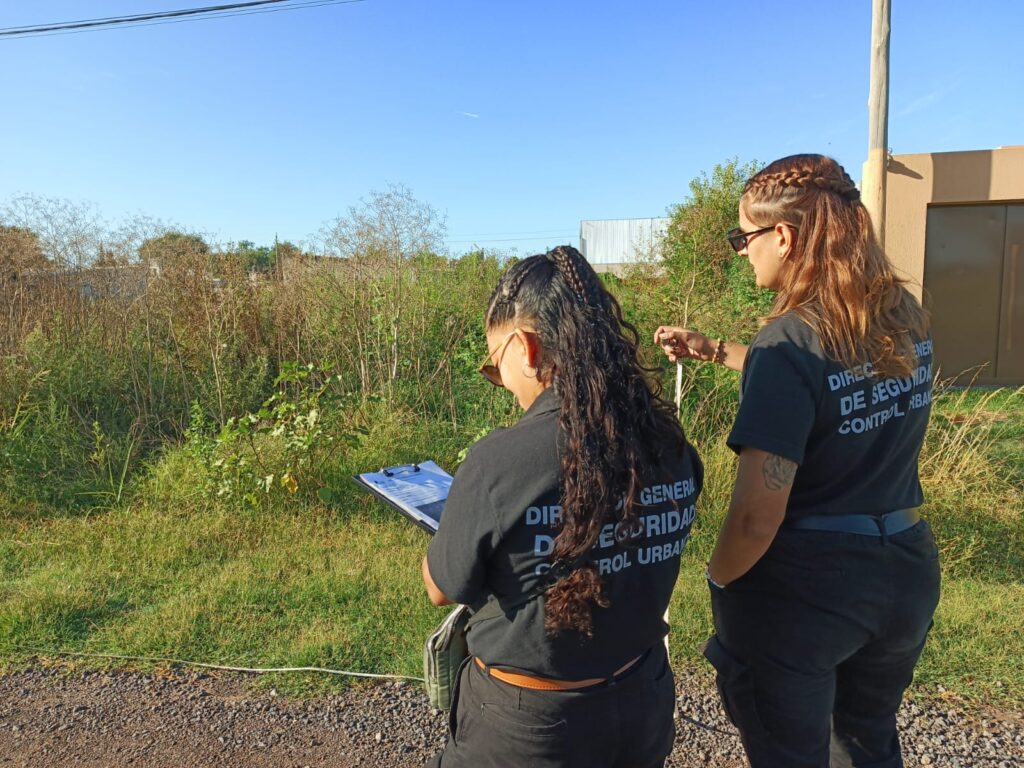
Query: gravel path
[(107, 719)]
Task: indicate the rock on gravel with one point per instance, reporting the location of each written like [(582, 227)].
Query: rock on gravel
[(111, 719)]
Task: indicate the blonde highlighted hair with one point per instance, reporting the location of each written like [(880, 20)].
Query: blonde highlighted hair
[(837, 277)]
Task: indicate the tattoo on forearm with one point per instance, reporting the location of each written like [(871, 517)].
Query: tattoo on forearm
[(778, 472)]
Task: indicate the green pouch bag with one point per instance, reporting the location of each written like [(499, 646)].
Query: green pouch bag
[(443, 654), (446, 648)]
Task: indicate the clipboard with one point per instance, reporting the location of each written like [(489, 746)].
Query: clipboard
[(418, 491)]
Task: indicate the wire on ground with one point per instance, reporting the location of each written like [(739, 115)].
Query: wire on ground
[(205, 665)]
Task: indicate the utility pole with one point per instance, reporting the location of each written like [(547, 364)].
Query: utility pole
[(873, 186), (278, 266)]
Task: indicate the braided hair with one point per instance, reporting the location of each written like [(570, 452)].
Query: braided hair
[(837, 278), (834, 179), (613, 422)]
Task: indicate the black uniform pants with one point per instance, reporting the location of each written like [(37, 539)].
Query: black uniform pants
[(816, 644), (614, 725)]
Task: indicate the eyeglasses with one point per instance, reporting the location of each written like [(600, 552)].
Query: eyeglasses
[(739, 239), (492, 371)]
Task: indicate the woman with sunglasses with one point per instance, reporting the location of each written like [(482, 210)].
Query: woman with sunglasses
[(824, 578), (586, 504)]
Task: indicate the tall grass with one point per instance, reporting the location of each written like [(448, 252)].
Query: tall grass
[(179, 572), (972, 469), (176, 453)]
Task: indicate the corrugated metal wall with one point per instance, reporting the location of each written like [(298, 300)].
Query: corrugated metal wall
[(617, 242)]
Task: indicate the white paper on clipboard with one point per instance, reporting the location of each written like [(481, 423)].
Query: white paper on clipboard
[(417, 490)]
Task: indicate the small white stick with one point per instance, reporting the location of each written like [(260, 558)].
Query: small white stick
[(679, 398)]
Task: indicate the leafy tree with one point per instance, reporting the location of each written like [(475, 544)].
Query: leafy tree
[(702, 284), (172, 248), (19, 250), (710, 284), (261, 258), (254, 258), (286, 249)]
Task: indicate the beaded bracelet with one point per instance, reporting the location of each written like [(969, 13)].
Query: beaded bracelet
[(719, 356)]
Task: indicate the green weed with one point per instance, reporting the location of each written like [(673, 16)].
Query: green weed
[(176, 470)]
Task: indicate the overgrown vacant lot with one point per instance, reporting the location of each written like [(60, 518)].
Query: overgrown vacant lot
[(176, 451), (336, 583)]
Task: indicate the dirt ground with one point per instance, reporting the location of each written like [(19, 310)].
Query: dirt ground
[(52, 718)]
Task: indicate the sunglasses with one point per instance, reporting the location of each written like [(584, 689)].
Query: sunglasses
[(491, 371), (739, 239)]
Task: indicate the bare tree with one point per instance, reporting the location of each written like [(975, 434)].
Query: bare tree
[(69, 233), (124, 242), (382, 235), (391, 224)]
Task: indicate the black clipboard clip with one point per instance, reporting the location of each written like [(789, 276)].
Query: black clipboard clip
[(400, 469)]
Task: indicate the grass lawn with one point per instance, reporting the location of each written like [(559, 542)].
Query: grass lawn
[(339, 586)]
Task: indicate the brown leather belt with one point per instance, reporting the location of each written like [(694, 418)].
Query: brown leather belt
[(546, 683)]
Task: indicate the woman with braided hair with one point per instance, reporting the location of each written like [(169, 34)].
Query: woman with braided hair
[(573, 520), (824, 578)]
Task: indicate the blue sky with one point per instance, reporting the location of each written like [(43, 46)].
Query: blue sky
[(514, 119)]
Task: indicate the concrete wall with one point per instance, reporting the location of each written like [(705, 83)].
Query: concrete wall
[(916, 181)]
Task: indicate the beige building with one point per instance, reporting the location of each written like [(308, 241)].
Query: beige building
[(955, 227)]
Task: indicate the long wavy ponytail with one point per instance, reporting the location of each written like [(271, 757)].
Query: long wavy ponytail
[(613, 421)]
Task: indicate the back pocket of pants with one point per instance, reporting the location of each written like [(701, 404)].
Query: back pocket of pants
[(510, 736), (523, 721)]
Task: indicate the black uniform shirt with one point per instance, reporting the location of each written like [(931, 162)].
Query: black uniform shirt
[(497, 533), (855, 436)]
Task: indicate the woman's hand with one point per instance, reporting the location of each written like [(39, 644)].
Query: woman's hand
[(684, 344)]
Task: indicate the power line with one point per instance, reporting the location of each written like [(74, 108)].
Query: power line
[(512, 233), (112, 20), (250, 8), (514, 239)]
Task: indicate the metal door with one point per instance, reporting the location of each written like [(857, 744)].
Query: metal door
[(1010, 363), (963, 275)]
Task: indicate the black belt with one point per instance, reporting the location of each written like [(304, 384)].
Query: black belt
[(866, 525)]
